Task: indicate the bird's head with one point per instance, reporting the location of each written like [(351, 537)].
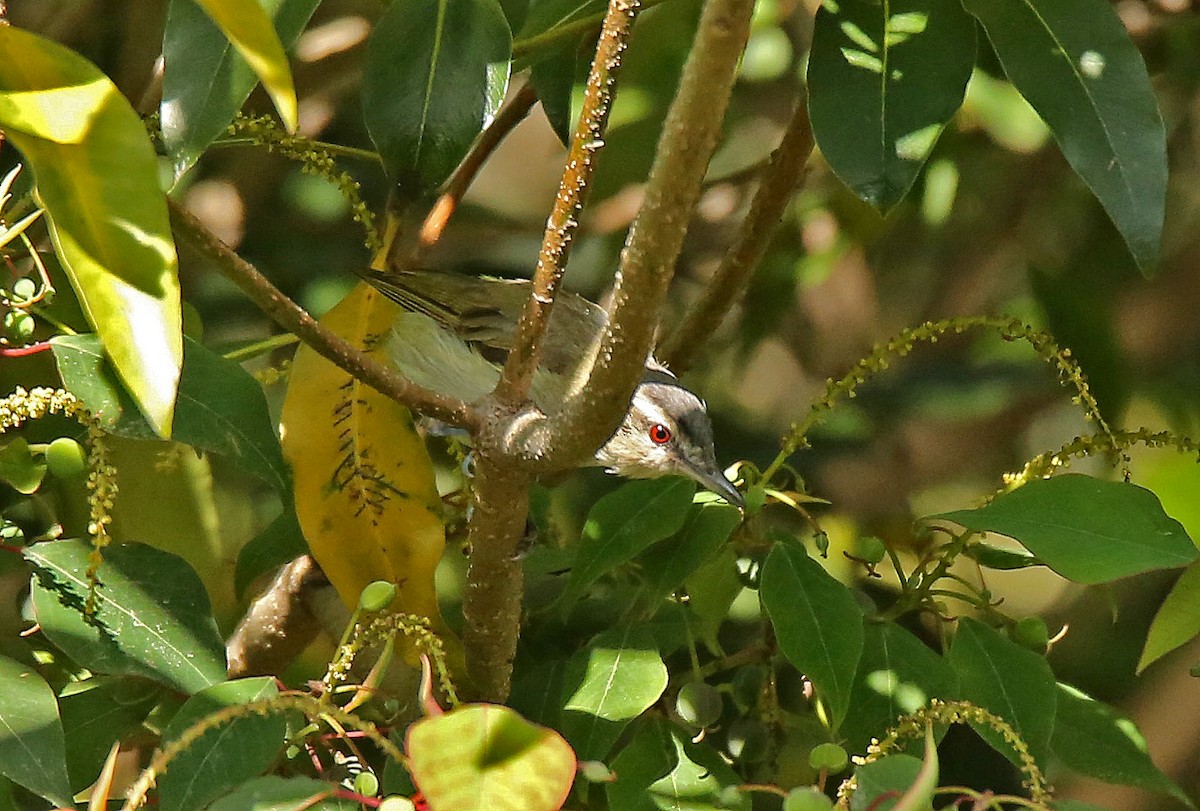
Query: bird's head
[(667, 432)]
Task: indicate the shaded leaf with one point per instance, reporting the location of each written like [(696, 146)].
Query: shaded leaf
[(273, 793), (608, 684), (883, 782), (32, 747), (897, 675), (884, 78), (226, 755), (96, 712), (19, 468), (205, 80), (1088, 530), (1177, 620), (667, 564), (435, 74), (97, 177), (1094, 739), (221, 407), (622, 524), (280, 542), (818, 623), (248, 27), (1073, 60), (486, 757), (1007, 679), (152, 616)]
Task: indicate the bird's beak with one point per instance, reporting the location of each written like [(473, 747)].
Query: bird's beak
[(713, 479)]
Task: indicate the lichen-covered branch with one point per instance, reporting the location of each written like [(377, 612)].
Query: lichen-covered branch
[(778, 181), (586, 141), (689, 136), (296, 320)]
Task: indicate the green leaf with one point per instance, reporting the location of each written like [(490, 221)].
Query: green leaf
[(1073, 60), (221, 407), (897, 675), (607, 684), (280, 542), (249, 29), (205, 80), (883, 782), (1177, 620), (273, 793), (97, 177), (18, 467), (484, 757), (622, 524), (435, 74), (32, 747), (554, 80), (152, 616), (1007, 679), (1088, 530), (667, 564), (817, 621), (1094, 739), (227, 755), (884, 78), (96, 712), (660, 769)]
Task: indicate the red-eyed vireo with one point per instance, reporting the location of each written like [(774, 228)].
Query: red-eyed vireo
[(456, 330)]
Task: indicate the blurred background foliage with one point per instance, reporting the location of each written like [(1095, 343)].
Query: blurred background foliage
[(997, 224)]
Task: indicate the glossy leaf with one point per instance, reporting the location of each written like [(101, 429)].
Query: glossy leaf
[(1088, 530), (96, 712), (249, 29), (817, 621), (667, 564), (884, 78), (281, 541), (622, 524), (897, 675), (152, 616), (554, 80), (97, 177), (221, 407), (607, 684), (273, 793), (205, 80), (661, 769), (1007, 679), (484, 757), (227, 755), (365, 492), (1094, 739), (32, 747), (1177, 620), (435, 73), (19, 468), (883, 782), (1073, 60)]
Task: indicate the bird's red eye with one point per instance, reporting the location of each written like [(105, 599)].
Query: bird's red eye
[(660, 434)]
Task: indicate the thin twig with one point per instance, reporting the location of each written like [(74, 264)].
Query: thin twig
[(561, 34), (505, 121), (689, 136), (586, 141), (295, 319), (779, 179)]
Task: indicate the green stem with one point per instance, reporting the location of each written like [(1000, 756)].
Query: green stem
[(558, 35), (261, 347), (332, 149)]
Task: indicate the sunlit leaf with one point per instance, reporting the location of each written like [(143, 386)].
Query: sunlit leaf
[(97, 178), (1177, 620)]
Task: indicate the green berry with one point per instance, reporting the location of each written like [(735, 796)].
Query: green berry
[(748, 741), (747, 685), (871, 549), (19, 325), (828, 756), (806, 798), (699, 704), (1032, 633), (377, 596), (366, 784), (65, 458), (24, 289), (397, 804)]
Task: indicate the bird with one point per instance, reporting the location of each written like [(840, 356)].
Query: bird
[(454, 332)]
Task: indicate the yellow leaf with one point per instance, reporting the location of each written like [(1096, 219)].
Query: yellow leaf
[(365, 490)]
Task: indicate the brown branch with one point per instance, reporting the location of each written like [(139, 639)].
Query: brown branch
[(688, 139), (492, 601), (586, 141), (505, 121), (279, 624), (296, 320), (779, 179)]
